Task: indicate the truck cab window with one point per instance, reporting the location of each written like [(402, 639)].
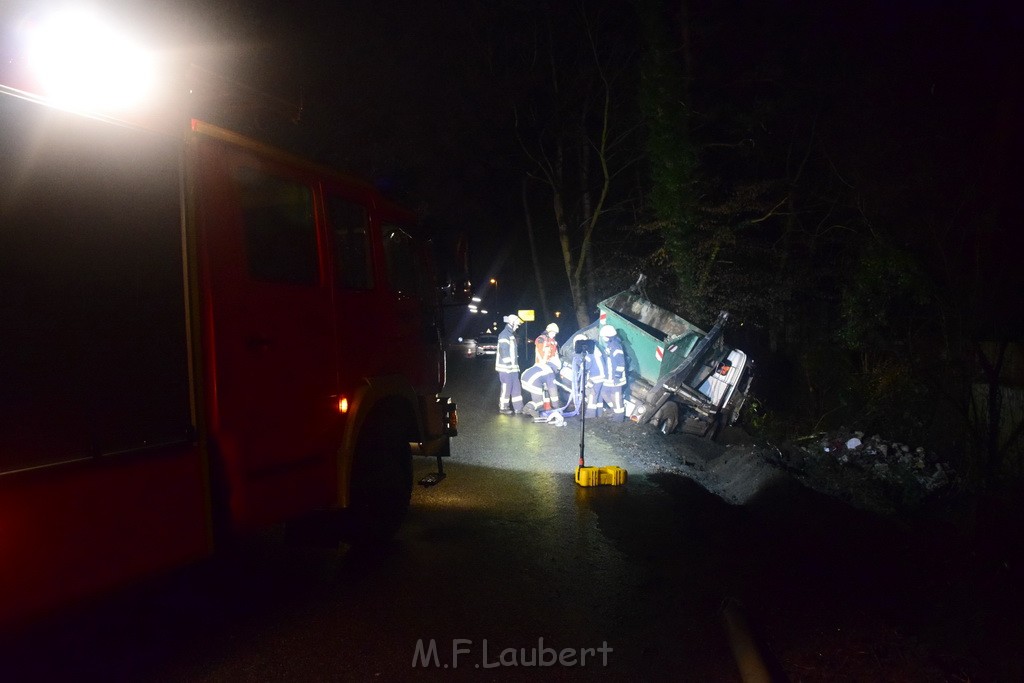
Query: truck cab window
[(280, 229), (353, 266)]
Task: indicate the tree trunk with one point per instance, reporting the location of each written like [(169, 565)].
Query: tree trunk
[(673, 158), (587, 207), (533, 253)]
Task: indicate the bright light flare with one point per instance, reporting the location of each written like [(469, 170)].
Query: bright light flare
[(82, 62)]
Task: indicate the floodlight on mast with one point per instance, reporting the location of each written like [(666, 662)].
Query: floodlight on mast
[(80, 61)]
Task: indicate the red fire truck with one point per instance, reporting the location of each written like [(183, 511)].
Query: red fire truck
[(199, 335)]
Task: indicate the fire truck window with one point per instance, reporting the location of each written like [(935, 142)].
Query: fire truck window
[(403, 267), (280, 230), (352, 264)]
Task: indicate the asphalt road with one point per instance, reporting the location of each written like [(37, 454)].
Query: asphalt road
[(508, 570)]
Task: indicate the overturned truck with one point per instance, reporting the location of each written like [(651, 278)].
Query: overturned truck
[(679, 376)]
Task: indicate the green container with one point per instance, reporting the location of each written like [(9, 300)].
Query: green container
[(656, 341)]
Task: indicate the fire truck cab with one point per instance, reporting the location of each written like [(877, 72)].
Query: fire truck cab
[(199, 334)]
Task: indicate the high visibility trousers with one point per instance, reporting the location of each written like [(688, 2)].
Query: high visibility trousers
[(511, 392), (613, 397)]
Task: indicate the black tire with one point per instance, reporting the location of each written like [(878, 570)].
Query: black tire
[(381, 485)]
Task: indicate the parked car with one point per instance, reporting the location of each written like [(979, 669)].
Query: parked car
[(487, 345)]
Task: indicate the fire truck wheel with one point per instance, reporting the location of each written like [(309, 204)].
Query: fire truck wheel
[(381, 486), (667, 417)]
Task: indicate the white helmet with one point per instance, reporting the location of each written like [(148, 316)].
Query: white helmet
[(551, 329), (579, 337), (608, 331), (513, 320)]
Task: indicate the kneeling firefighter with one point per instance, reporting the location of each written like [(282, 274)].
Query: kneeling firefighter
[(538, 379)]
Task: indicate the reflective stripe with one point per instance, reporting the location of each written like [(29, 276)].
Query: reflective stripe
[(506, 359), (615, 369), (536, 377)]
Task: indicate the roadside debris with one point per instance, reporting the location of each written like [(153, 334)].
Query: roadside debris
[(873, 473)]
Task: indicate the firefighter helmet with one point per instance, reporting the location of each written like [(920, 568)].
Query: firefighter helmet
[(551, 329), (513, 320), (608, 331)]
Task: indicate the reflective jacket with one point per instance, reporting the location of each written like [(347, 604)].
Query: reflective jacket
[(614, 362), (595, 367), (547, 349), (507, 358)]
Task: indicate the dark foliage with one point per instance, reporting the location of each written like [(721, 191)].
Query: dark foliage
[(853, 165)]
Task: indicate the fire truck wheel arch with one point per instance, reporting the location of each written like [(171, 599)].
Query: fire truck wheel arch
[(393, 400)]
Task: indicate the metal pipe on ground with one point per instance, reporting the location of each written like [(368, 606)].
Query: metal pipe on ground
[(745, 650)]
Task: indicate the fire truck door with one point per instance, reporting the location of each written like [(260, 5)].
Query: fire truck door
[(270, 311)]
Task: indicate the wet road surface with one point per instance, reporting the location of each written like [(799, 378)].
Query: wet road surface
[(506, 570)]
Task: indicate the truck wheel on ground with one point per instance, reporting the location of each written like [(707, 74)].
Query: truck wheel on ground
[(381, 485), (714, 427), (667, 417)]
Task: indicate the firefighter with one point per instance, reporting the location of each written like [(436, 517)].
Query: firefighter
[(589, 369), (613, 362), (547, 352), (538, 379), (547, 345), (506, 362)]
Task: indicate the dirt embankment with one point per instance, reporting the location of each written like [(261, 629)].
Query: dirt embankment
[(886, 527)]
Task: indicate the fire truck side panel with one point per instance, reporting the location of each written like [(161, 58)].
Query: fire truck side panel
[(101, 478), (75, 530)]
